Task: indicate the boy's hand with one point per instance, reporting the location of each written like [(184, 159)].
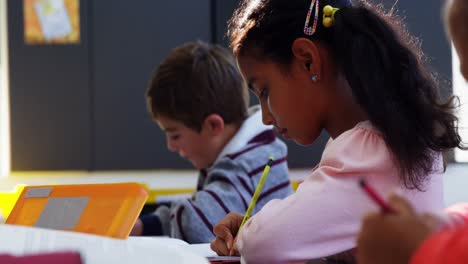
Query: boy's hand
[(393, 238), (137, 229), (225, 232)]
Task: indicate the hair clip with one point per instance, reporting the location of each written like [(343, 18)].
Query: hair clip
[(311, 30), (329, 15)]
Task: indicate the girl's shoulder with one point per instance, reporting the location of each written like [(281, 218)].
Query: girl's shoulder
[(362, 144), (363, 134)]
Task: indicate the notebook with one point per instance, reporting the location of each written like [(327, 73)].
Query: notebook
[(102, 209), (202, 250), (22, 240)]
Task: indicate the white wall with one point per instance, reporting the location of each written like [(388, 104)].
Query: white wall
[(460, 89), (4, 98)]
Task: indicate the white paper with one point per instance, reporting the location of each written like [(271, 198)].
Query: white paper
[(157, 241), (203, 250), (54, 19), (20, 240)]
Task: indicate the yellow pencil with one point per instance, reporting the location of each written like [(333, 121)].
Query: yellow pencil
[(258, 190)]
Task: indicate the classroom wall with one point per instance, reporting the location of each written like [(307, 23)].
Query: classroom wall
[(423, 19), (123, 135), (4, 103), (49, 99), (82, 107)]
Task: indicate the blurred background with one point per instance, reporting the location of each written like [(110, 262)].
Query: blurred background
[(73, 74)]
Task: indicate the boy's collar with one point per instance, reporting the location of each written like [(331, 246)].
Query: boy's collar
[(251, 127)]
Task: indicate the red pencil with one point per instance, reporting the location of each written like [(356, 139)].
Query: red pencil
[(374, 196)]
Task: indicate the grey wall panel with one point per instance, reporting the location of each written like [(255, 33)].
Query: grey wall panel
[(224, 10), (83, 107), (49, 98), (423, 20), (129, 41)]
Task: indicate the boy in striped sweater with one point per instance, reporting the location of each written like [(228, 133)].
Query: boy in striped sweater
[(199, 99)]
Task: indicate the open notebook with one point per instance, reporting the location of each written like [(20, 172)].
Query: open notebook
[(202, 250), (20, 240)]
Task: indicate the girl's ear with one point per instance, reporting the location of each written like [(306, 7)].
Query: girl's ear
[(213, 124), (307, 53)]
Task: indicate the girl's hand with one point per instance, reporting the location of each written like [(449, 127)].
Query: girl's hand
[(393, 238), (225, 232)]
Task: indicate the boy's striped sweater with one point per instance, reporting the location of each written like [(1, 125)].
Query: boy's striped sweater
[(228, 185)]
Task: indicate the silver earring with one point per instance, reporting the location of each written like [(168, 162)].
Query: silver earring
[(314, 78)]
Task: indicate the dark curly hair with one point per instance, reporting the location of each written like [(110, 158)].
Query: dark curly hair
[(382, 64)]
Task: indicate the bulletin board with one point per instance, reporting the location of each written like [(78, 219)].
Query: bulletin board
[(50, 22)]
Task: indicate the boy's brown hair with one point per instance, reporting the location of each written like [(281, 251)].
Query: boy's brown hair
[(198, 79)]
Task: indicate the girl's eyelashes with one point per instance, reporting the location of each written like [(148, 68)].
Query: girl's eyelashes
[(174, 137)]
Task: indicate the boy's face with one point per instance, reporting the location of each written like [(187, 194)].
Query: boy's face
[(197, 147)]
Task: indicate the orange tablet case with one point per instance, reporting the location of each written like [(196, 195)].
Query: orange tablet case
[(102, 209)]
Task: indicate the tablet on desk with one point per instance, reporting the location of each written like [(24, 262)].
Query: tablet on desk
[(102, 209)]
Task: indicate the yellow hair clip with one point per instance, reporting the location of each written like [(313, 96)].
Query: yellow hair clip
[(329, 15)]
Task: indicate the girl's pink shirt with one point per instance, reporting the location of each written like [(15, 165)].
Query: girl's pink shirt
[(324, 216)]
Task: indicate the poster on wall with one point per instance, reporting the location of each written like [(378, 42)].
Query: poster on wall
[(51, 22)]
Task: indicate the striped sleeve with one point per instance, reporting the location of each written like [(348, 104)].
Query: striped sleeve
[(193, 219)]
